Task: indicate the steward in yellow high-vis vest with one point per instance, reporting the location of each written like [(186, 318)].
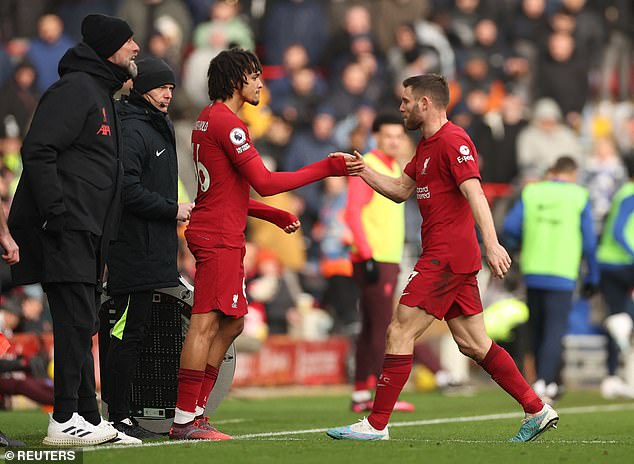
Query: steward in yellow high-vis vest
[(552, 224)]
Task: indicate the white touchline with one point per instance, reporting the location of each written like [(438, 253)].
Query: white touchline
[(443, 420), (230, 421)]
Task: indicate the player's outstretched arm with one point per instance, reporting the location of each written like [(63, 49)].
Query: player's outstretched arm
[(397, 189), (283, 219), (497, 258), (268, 183)]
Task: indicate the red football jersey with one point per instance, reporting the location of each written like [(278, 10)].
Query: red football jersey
[(442, 162), (221, 143)]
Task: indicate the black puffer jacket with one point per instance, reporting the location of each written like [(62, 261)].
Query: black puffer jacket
[(143, 257), (71, 170)]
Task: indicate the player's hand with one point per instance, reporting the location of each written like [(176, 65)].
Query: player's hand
[(292, 228), (184, 211), (354, 162), (498, 260), (11, 251)]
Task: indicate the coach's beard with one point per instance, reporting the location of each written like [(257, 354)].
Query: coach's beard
[(132, 69)]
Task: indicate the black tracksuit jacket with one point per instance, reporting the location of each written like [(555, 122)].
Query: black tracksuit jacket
[(144, 254), (71, 174)]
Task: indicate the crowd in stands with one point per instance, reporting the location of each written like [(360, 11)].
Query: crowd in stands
[(531, 80)]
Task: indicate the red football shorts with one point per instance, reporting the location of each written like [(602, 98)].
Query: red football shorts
[(442, 293), (219, 279)]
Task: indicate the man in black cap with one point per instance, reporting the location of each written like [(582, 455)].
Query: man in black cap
[(65, 212), (143, 257)]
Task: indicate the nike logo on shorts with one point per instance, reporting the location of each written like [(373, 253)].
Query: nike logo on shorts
[(159, 153)]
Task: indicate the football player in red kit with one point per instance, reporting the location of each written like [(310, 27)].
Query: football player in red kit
[(444, 175), (228, 165)]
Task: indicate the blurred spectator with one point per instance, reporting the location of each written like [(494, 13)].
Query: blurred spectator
[(307, 147), (18, 18), (334, 237), (224, 19), (354, 39), (295, 58), (294, 21), (471, 117), (272, 145), (617, 62), (589, 33), (10, 315), (529, 28), (194, 81), (389, 15), (170, 17), (18, 100), (31, 303), (554, 78), (350, 92), (358, 123), (159, 47), (6, 67), (501, 163), (47, 49), (462, 21), (73, 11), (288, 248), (490, 42), (603, 175), (544, 140), (199, 10), (409, 57), (21, 375), (299, 104), (477, 75), (624, 130), (265, 285), (307, 321), (377, 73)]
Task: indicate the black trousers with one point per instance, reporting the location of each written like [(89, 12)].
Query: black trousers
[(74, 311), (126, 341), (616, 286), (548, 319), (376, 306)]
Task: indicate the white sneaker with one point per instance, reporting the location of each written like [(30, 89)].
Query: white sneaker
[(619, 326), (76, 432), (539, 387), (121, 438), (615, 387), (362, 430)]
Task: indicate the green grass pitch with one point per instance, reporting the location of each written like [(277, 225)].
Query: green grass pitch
[(469, 430)]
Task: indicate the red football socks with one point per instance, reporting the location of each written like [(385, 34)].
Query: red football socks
[(189, 383), (501, 367), (396, 370), (211, 374)]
